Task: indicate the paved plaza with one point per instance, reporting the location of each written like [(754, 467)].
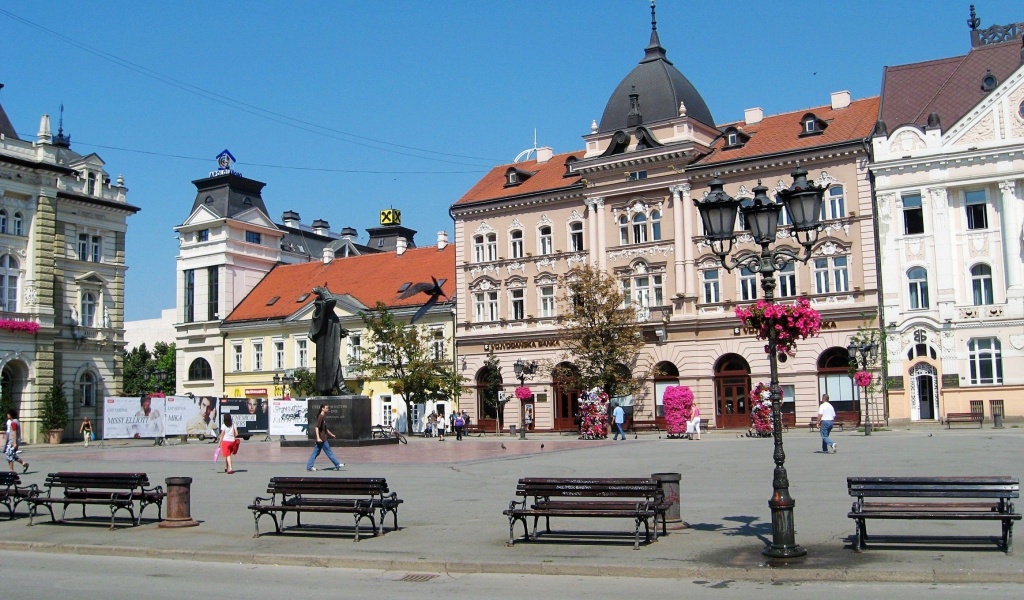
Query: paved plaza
[(455, 491)]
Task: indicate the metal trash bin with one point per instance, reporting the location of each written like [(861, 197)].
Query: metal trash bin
[(670, 483), (512, 430), (997, 420)]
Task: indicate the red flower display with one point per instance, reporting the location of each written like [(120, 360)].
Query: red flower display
[(523, 393), (23, 326), (678, 408), (863, 378), (594, 414), (761, 410), (791, 322)]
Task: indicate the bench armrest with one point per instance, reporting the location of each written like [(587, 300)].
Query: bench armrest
[(157, 489), (258, 500), (521, 503)]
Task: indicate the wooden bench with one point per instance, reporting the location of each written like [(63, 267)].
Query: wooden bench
[(836, 424), (634, 498), (977, 498), (648, 425), (967, 417), (361, 497), (119, 491), (12, 493)]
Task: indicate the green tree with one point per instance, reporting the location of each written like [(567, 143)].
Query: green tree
[(140, 366), (54, 412), (600, 337), (400, 354), (304, 385), (135, 363)]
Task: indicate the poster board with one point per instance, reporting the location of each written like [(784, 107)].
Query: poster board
[(189, 415), (133, 417), (248, 415), (289, 417)]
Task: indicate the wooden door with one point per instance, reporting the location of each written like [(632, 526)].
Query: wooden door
[(732, 402)]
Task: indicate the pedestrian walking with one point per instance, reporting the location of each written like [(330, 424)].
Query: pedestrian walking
[(440, 427), (460, 422), (826, 418), (322, 445), (86, 430), (693, 425), (618, 416), (12, 441), (228, 439)]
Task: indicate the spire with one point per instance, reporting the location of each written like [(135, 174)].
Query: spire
[(64, 141), (654, 51), (974, 22)]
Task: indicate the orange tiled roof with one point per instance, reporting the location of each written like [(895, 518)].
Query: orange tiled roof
[(547, 176), (367, 278), (781, 133)]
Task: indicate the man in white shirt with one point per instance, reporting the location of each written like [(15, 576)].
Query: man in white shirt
[(826, 416), (618, 416)]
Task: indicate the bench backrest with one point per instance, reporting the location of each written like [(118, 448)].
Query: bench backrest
[(332, 486), (590, 487), (996, 486), (9, 478), (108, 481)]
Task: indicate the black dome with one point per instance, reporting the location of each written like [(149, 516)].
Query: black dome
[(660, 87)]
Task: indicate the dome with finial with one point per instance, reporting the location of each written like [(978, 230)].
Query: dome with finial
[(658, 89)]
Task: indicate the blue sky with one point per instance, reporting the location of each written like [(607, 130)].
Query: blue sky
[(344, 108)]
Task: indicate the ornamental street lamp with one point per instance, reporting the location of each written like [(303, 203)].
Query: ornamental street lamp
[(864, 355), (287, 380), (718, 210), (523, 369)]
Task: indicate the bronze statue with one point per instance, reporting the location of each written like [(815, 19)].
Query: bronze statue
[(326, 332)]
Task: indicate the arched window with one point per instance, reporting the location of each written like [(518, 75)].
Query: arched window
[(834, 206), (917, 278), (834, 379), (3, 221), (516, 237), (87, 389), (88, 309), (9, 283), (576, 236), (623, 230), (665, 374), (981, 284), (199, 369), (18, 224), (639, 228), (655, 225)]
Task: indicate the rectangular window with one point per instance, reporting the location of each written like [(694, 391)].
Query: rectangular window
[(355, 347), (748, 284), (546, 244), (492, 306), (788, 398), (253, 237), (95, 248), (386, 416), (437, 348), (821, 276), (658, 291), (840, 274), (478, 248), (840, 389), (278, 354), (236, 350), (492, 246), (517, 244), (518, 304), (257, 356), (787, 281), (212, 301), (190, 296), (203, 235), (712, 290), (480, 307), (627, 296), (301, 353), (977, 209), (83, 246), (576, 237), (986, 358), (913, 215), (547, 301)]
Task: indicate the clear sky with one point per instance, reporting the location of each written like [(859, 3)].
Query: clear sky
[(344, 108)]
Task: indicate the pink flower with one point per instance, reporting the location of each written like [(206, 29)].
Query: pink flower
[(523, 393), (863, 378)]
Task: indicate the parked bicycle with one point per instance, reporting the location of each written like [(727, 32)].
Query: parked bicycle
[(387, 431)]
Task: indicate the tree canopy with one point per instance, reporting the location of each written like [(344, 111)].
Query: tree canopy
[(140, 365)]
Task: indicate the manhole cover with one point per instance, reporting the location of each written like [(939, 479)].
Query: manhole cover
[(418, 577)]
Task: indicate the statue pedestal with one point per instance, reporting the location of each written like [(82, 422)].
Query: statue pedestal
[(349, 419)]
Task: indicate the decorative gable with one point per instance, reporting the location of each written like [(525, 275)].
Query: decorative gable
[(255, 216), (996, 119)]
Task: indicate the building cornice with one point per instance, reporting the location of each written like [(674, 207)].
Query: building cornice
[(119, 206)]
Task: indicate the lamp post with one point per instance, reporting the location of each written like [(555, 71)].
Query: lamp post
[(863, 355), (718, 210), (285, 381), (523, 369)]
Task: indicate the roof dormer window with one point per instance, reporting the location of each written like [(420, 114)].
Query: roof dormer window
[(515, 176), (569, 162), (732, 139), (989, 82), (735, 138), (812, 125)]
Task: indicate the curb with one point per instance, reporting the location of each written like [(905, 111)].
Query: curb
[(767, 574)]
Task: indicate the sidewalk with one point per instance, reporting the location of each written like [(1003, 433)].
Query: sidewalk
[(455, 491)]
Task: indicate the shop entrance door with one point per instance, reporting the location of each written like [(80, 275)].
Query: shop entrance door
[(732, 393)]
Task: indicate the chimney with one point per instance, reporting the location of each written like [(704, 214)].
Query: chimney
[(400, 246), (348, 233), (328, 255), (840, 100), (544, 154), (321, 227), (290, 218), (442, 240), (44, 135), (753, 116)]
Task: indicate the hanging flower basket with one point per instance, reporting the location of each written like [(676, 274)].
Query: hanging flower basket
[(761, 411), (791, 322), (678, 401), (523, 393), (594, 414), (863, 378), (19, 326)]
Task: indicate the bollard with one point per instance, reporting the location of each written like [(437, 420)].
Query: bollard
[(670, 483), (179, 500), (997, 420)]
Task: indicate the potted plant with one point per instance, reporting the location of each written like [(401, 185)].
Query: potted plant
[(53, 418)]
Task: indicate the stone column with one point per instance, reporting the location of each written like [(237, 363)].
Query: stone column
[(592, 230), (678, 239), (602, 257), (689, 250), (940, 280), (1013, 229)]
